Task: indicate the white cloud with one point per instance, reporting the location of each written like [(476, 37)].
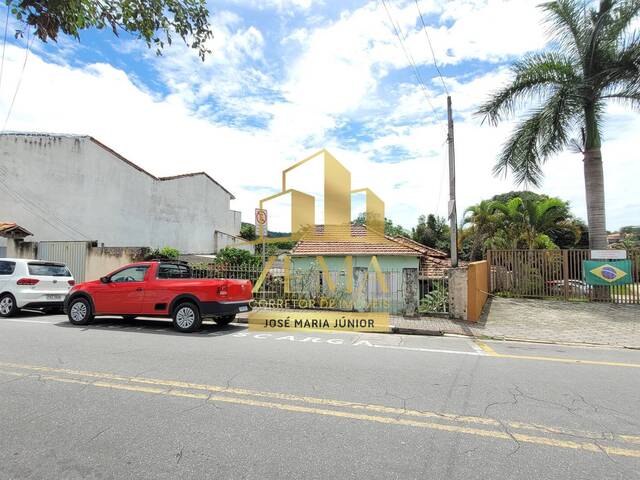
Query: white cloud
[(340, 74)]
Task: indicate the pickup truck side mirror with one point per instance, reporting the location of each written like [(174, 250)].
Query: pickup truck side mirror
[(105, 279)]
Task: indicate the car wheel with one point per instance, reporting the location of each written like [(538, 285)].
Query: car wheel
[(8, 305), (186, 317), (80, 311), (227, 319)]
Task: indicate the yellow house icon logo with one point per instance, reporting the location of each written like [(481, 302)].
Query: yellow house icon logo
[(337, 199)]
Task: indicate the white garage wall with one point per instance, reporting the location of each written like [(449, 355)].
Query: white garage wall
[(64, 187)]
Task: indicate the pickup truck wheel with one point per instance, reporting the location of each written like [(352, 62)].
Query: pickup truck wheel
[(80, 312), (7, 305), (227, 319), (186, 317)]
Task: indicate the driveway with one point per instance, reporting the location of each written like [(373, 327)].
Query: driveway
[(546, 321)]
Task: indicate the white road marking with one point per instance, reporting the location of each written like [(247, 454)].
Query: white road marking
[(432, 350), (18, 320), (476, 347), (358, 343), (477, 351)]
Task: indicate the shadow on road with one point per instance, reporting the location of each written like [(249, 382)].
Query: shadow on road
[(151, 326)]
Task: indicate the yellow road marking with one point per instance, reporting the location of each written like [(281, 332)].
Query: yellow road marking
[(585, 446), (486, 348), (171, 385), (575, 361)]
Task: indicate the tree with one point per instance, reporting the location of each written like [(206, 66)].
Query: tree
[(595, 59), (248, 231), (390, 228), (164, 253), (535, 222), (237, 257), (155, 21), (433, 232), (484, 225), (523, 194), (531, 221)]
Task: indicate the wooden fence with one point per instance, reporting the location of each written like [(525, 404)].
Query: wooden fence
[(555, 274)]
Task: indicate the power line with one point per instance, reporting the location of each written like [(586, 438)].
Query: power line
[(433, 55), (37, 210), (4, 44), (24, 65), (409, 57)]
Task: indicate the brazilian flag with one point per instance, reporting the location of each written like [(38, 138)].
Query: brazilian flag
[(600, 272)]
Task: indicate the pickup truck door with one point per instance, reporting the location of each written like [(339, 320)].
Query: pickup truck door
[(162, 289), (123, 294)]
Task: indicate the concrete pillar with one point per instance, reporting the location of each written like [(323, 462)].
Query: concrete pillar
[(458, 293), (20, 249), (360, 288), (410, 290)]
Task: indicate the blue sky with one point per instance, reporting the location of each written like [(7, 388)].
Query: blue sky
[(288, 77)]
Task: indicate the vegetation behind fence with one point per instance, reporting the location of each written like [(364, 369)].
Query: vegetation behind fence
[(312, 288), (556, 274)]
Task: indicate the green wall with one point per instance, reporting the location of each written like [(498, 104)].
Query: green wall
[(335, 264)]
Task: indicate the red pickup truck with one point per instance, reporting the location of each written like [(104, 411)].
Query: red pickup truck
[(159, 289)]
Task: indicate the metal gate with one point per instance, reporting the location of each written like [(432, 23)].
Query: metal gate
[(73, 254), (556, 274)]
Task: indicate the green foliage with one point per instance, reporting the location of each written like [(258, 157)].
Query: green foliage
[(631, 230), (154, 21), (593, 59), (523, 194), (390, 228), (164, 253), (433, 232), (435, 301), (248, 231), (510, 221), (237, 257)]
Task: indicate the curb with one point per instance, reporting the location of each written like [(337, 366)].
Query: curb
[(441, 333), (392, 330)]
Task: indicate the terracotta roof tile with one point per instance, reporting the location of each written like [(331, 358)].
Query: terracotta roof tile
[(421, 248), (12, 230), (334, 240)]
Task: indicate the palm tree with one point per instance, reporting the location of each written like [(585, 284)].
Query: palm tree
[(595, 59), (483, 220), (531, 221)]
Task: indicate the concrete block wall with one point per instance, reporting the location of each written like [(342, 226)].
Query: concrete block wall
[(66, 187)]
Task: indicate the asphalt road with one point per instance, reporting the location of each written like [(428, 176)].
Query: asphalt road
[(137, 400)]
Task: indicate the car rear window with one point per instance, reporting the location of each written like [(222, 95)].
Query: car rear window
[(172, 270), (48, 270), (7, 268)]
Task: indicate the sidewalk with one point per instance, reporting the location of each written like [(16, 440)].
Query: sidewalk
[(536, 321), (541, 321)]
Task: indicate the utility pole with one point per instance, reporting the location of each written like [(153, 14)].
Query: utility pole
[(453, 216)]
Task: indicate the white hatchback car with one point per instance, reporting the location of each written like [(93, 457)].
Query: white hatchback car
[(33, 284)]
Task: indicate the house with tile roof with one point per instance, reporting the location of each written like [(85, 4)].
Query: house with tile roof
[(433, 263), (371, 253), (362, 245)]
